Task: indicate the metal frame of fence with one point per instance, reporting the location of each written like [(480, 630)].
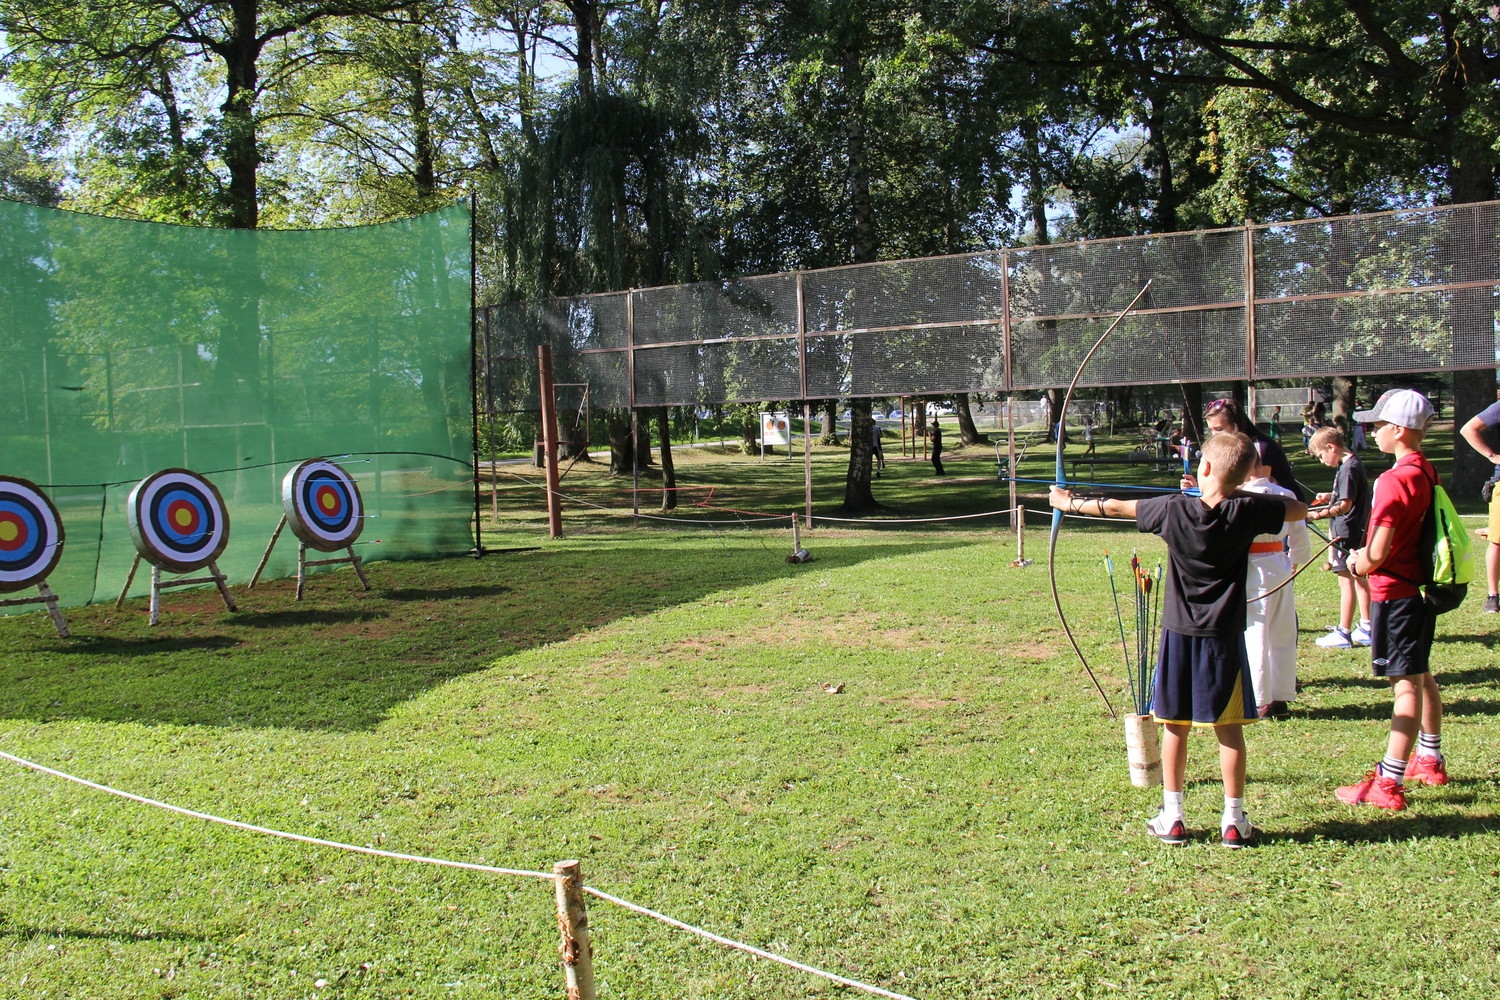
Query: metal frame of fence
[(1400, 291)]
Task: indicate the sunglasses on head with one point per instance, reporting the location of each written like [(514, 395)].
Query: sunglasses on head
[(1217, 406)]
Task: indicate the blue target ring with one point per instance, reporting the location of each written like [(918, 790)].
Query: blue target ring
[(322, 504), (177, 520), (31, 534)]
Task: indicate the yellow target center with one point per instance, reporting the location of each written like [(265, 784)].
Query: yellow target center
[(328, 501), (183, 518), (8, 531)]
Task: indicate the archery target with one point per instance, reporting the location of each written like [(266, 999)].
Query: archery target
[(177, 520), (31, 535), (322, 504)]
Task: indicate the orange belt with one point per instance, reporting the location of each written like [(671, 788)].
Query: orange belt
[(1258, 548)]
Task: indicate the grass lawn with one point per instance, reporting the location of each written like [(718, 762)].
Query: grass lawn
[(957, 823)]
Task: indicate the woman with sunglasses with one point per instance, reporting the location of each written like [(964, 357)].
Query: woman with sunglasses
[(1223, 415)]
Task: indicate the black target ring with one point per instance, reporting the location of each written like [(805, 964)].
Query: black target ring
[(31, 535), (177, 520), (323, 506)]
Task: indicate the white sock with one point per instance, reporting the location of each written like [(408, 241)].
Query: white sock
[(1171, 805), (1234, 811)]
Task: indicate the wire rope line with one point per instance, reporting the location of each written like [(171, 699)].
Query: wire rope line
[(252, 828), (445, 863), (748, 948)]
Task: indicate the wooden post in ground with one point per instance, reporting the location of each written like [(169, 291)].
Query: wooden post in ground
[(1021, 559), (549, 439), (573, 925)]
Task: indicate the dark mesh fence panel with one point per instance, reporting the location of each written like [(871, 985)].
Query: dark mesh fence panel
[(1412, 291), (1405, 291)]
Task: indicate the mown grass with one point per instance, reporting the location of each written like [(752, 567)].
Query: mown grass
[(957, 823)]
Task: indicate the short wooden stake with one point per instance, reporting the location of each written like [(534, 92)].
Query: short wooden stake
[(1020, 559), (120, 601), (573, 925)]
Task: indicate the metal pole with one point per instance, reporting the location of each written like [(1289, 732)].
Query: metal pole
[(474, 366)]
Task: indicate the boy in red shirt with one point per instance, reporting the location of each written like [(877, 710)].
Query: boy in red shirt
[(1401, 624)]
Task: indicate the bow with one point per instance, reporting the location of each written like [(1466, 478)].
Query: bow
[(1061, 481)]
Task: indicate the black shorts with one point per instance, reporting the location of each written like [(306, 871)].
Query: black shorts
[(1401, 632), (1203, 680)]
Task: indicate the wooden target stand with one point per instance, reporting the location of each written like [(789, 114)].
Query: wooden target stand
[(303, 562), (158, 585), (322, 505), (179, 525), (32, 530), (47, 597)]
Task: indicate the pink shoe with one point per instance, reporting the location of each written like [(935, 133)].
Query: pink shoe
[(1426, 768), (1375, 790)]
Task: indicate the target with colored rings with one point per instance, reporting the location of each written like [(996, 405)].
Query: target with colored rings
[(177, 520), (322, 504), (31, 535)]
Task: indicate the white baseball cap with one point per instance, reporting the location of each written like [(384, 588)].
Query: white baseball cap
[(1403, 407)]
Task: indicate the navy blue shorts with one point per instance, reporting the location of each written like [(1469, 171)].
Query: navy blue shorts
[(1203, 680), (1401, 637)]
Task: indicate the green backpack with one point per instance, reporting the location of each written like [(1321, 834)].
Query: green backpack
[(1450, 550)]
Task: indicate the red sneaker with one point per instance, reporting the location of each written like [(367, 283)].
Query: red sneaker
[(1427, 769), (1237, 835), (1375, 790), (1172, 832)]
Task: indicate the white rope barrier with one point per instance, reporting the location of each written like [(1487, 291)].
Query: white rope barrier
[(442, 862), (913, 520), (750, 949)]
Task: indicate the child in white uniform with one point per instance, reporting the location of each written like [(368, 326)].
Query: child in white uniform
[(1271, 622)]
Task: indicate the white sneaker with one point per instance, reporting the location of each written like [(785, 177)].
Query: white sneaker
[(1336, 638), (1360, 636)]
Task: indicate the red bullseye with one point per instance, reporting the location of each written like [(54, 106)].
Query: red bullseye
[(13, 532), (182, 517), (329, 500)]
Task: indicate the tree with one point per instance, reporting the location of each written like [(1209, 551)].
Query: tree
[(1419, 80)]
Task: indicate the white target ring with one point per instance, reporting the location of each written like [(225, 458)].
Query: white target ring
[(323, 506), (177, 520), (31, 535)]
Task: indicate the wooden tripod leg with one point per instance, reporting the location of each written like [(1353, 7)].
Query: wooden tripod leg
[(358, 568), (120, 603), (155, 594), (57, 618), (213, 569), (266, 557), (301, 568)]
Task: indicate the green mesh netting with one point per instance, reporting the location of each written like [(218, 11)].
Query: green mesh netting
[(127, 348)]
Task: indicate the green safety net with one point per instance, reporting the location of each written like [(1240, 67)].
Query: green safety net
[(128, 347)]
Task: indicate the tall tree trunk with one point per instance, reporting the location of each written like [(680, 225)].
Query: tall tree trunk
[(668, 470), (858, 497), (967, 432), (830, 433), (1344, 389), (621, 444)]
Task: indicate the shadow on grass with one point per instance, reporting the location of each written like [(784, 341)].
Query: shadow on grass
[(448, 594), (123, 937), (343, 658), (149, 645), (304, 616), (1488, 639), (1379, 827), (1459, 707)]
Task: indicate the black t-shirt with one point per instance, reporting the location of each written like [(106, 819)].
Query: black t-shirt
[(1351, 482), (1208, 552)]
